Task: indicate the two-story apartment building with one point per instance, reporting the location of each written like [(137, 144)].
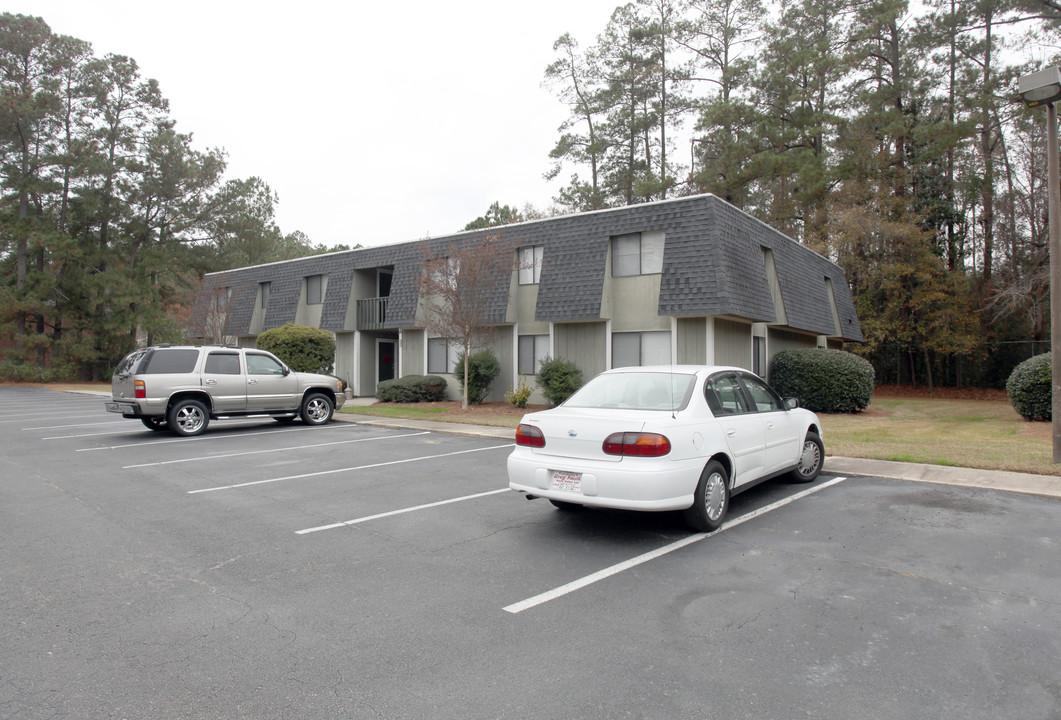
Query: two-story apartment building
[(689, 280)]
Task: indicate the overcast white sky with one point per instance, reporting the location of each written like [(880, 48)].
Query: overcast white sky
[(375, 122)]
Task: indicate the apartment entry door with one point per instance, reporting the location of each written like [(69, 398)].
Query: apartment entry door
[(386, 360)]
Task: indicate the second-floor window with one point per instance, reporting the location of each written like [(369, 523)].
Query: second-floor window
[(637, 254), (266, 288), (314, 289), (530, 264)]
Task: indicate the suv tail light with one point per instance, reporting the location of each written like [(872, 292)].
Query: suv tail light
[(139, 389), (635, 444), (529, 436)]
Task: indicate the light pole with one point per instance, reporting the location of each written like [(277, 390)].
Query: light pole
[(1043, 88)]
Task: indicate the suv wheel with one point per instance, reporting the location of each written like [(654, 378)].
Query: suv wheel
[(316, 409), (188, 417)]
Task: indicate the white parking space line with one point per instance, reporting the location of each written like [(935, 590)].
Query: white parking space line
[(640, 559), (343, 470), (399, 512), (44, 416), (86, 424), (204, 438), (270, 450)]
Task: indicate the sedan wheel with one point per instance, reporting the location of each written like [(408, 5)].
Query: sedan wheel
[(188, 417), (810, 460), (710, 500), (316, 409)]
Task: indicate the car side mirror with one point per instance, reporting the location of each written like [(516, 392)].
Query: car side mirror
[(791, 403), (287, 371)]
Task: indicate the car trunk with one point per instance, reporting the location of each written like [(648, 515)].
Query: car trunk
[(580, 432)]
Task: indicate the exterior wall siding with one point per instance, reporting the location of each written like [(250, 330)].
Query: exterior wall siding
[(692, 341), (584, 344), (733, 343)]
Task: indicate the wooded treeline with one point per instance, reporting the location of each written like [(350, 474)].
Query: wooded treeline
[(890, 141), (108, 215)]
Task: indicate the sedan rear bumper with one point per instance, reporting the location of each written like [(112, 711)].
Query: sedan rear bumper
[(652, 485)]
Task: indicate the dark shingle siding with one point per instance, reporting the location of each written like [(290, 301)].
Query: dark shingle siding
[(713, 265)]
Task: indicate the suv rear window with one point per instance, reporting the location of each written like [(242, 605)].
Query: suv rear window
[(128, 364), (170, 361)]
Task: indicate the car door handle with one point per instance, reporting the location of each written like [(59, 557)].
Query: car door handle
[(730, 432), (769, 426), (252, 381), (211, 381)]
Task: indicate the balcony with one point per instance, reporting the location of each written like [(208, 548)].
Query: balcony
[(372, 313)]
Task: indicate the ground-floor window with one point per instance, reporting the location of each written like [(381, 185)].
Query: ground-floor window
[(532, 350), (640, 348), (441, 355)]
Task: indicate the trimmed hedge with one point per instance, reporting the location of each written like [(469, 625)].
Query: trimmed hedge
[(482, 370), (1030, 388), (304, 349), (558, 379), (412, 388), (829, 381)]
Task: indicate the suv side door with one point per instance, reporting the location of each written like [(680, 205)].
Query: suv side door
[(741, 426), (270, 385), (224, 380)]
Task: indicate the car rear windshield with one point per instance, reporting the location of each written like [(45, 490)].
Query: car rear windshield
[(173, 360), (635, 391)]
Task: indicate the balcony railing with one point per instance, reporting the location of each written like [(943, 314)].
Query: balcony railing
[(372, 313)]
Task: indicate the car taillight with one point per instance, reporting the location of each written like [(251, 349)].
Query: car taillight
[(636, 444), (139, 389), (529, 436)]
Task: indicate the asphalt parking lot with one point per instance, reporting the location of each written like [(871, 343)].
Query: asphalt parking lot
[(349, 571)]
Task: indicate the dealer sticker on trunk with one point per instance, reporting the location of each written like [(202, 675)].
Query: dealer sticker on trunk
[(567, 481)]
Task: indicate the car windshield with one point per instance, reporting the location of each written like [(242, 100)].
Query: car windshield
[(635, 391)]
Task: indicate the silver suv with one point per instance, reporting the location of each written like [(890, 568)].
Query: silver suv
[(183, 387)]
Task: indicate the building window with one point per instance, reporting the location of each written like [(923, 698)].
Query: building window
[(314, 289), (266, 289), (640, 348), (637, 254), (441, 355), (530, 264), (532, 350)]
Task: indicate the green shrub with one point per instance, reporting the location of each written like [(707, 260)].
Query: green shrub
[(558, 379), (1030, 388), (18, 372), (482, 369), (305, 349), (412, 388), (520, 394), (829, 381)]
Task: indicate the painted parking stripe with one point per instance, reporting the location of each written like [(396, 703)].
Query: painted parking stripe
[(207, 437), (271, 450), (640, 559), (359, 520), (342, 470)]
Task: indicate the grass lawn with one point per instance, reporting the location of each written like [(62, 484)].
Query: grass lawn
[(904, 425)]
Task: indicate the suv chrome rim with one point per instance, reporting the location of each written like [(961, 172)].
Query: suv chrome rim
[(317, 409), (189, 419)]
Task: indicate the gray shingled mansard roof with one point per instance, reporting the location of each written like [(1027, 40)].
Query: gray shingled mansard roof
[(713, 264)]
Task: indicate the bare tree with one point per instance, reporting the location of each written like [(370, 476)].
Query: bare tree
[(463, 292)]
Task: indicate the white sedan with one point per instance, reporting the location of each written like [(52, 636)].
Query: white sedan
[(665, 438)]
